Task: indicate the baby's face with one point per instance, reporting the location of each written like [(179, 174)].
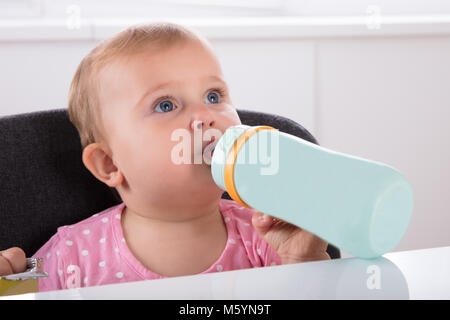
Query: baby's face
[(145, 100)]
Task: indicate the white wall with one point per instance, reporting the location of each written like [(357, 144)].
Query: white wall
[(388, 100), (379, 93)]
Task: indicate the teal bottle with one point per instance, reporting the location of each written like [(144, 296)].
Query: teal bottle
[(361, 206)]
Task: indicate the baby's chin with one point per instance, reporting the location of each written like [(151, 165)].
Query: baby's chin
[(204, 176)]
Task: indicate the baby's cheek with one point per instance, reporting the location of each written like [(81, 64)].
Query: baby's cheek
[(162, 162), (232, 117), (157, 170)]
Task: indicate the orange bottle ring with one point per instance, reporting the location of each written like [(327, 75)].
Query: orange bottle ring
[(231, 159)]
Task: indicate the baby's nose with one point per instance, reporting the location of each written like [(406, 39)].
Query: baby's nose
[(197, 124)]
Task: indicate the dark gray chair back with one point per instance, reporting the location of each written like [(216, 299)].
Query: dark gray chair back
[(45, 184)]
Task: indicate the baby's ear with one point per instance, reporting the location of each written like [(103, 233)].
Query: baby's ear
[(100, 164)]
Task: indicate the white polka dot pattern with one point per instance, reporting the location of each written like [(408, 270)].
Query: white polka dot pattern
[(96, 250)]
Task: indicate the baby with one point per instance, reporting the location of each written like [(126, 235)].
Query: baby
[(127, 98)]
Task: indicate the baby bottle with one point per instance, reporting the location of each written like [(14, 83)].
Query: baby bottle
[(361, 206)]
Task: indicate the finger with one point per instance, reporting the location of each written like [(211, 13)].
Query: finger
[(262, 222), (315, 240), (5, 267), (261, 219), (16, 258)]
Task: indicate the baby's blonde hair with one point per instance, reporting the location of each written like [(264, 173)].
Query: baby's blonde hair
[(83, 103)]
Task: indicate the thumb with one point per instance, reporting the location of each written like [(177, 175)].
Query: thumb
[(262, 222)]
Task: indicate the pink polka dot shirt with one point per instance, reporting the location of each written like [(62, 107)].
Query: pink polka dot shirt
[(94, 251)]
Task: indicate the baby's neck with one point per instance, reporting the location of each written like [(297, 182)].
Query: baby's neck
[(174, 248), (170, 227)]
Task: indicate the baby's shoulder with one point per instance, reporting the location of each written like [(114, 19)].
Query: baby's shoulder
[(96, 225)]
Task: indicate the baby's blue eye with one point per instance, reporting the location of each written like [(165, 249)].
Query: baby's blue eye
[(212, 97), (165, 106)]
